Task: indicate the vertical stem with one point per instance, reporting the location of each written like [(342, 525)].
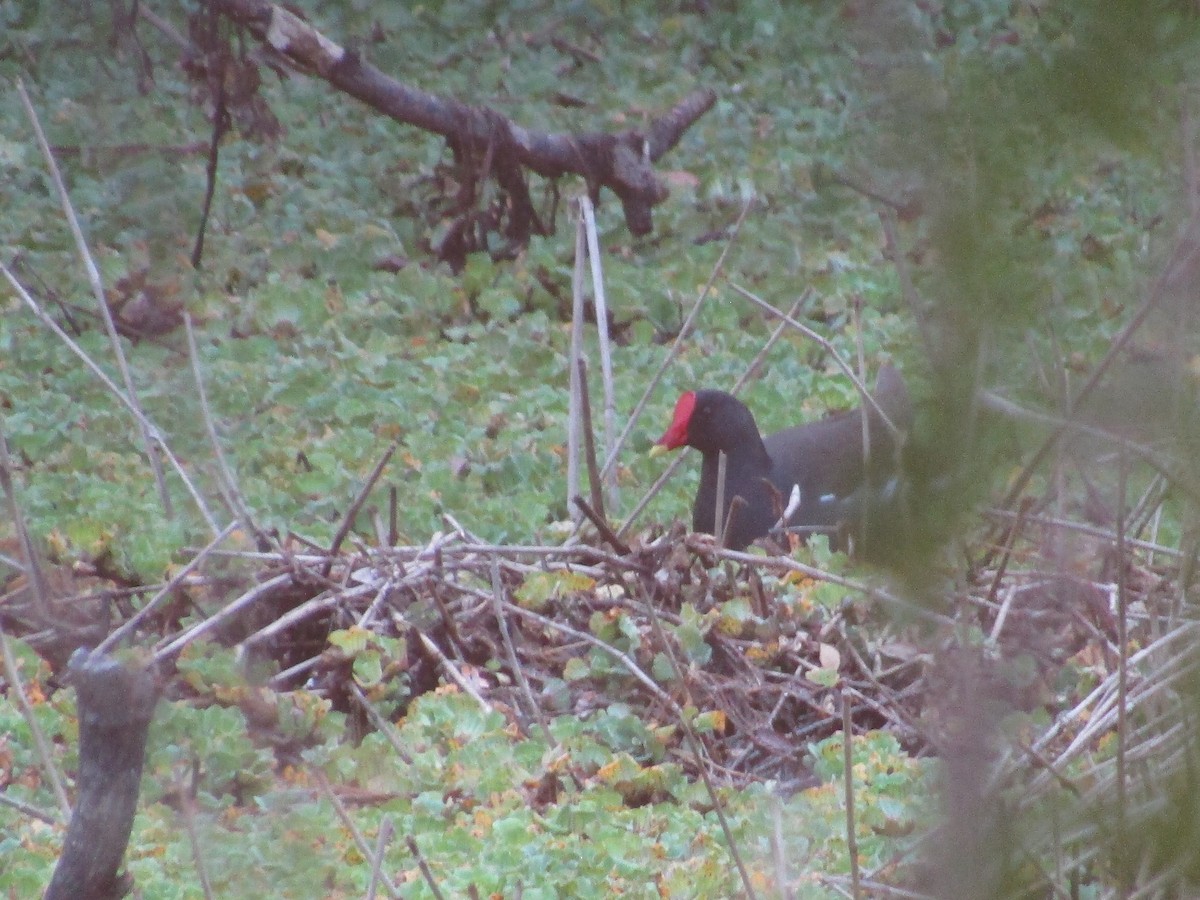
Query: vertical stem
[(233, 494), (115, 390), (685, 331), (848, 781), (675, 464), (574, 423), (719, 512), (41, 745), (1124, 861), (864, 524), (601, 303), (510, 650), (33, 568), (589, 442), (93, 274), (393, 534)]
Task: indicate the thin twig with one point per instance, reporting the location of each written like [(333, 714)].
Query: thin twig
[(606, 533), (1183, 254), (280, 680), (1187, 134), (305, 610), (26, 810), (652, 492), (356, 835), (864, 409), (1124, 867), (17, 689), (685, 331), (679, 460), (233, 493), (600, 303), (891, 247), (1062, 425), (393, 533), (166, 28), (32, 567), (386, 831), (426, 872), (752, 368), (352, 512), (218, 65), (1005, 557), (702, 545), (630, 666), (779, 848), (864, 526), (450, 669), (381, 598), (382, 725), (9, 561), (595, 488), (138, 415), (187, 811), (878, 889), (137, 618), (510, 650), (1082, 528), (166, 650), (824, 343), (719, 510), (690, 737), (848, 785), (93, 275), (576, 374)]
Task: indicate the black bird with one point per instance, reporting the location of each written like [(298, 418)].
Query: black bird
[(824, 459)]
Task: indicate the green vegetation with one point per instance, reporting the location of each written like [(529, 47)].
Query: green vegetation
[(598, 810), (1033, 154)]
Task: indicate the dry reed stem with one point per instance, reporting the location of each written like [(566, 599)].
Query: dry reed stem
[(93, 276)]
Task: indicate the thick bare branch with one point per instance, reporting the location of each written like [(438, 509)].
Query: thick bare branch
[(622, 162), (116, 705)]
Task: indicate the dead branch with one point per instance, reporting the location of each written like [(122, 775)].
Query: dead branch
[(116, 705), (621, 161)]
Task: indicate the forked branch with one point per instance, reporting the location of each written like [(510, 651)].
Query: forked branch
[(621, 161)]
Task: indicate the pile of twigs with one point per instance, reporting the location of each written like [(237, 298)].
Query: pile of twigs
[(462, 606)]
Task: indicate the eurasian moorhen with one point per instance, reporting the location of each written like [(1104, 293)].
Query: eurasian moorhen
[(825, 459)]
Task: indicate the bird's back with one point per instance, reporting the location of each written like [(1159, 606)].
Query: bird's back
[(827, 459)]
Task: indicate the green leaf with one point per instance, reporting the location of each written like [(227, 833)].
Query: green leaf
[(576, 669), (824, 677)]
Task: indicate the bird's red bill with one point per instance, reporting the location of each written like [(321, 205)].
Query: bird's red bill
[(676, 435)]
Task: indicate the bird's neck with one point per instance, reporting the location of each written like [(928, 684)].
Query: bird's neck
[(749, 457)]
